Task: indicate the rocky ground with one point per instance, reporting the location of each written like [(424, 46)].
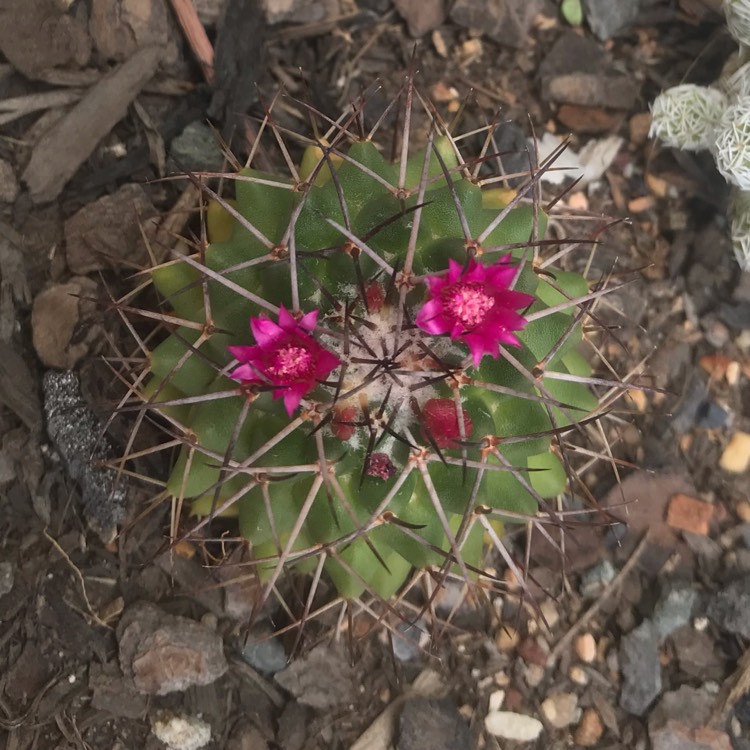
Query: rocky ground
[(109, 640)]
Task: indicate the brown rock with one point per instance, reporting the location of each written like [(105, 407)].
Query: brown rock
[(532, 653), (589, 730), (421, 16), (119, 27), (593, 90), (639, 126), (38, 35), (57, 316), (689, 514), (589, 119), (105, 234), (677, 736), (163, 653)]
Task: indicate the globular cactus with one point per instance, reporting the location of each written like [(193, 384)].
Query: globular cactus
[(366, 365)]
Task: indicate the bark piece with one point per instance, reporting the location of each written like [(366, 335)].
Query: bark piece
[(61, 151)]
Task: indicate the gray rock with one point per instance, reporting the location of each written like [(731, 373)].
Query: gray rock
[(163, 653), (407, 647), (421, 16), (674, 609), (607, 17), (196, 149), (8, 183), (596, 578), (730, 608), (689, 705), (264, 652), (677, 736), (6, 578), (430, 724), (323, 679), (515, 155), (697, 654), (505, 21), (576, 70), (641, 671)]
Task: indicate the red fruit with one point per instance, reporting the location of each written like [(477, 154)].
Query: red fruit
[(440, 423), (339, 427), (375, 296)]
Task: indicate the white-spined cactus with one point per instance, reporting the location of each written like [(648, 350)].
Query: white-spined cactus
[(741, 229), (732, 145), (717, 119), (737, 13), (686, 116)]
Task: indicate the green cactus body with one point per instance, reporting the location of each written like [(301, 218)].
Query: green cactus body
[(372, 468)]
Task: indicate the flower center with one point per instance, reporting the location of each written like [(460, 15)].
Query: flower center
[(467, 303), (291, 362)]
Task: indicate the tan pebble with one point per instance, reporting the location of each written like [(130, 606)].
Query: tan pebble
[(578, 201), (639, 126), (590, 729), (496, 700), (743, 511), (736, 456), (639, 399), (550, 613), (502, 679), (466, 711), (534, 674), (733, 373), (507, 638), (586, 647), (578, 675)]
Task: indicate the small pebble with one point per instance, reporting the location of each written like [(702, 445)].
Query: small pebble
[(586, 647), (182, 732), (549, 612), (736, 456), (590, 729), (496, 700), (6, 578), (596, 578), (743, 511), (533, 674), (578, 675), (507, 638), (689, 514), (560, 709), (512, 726)]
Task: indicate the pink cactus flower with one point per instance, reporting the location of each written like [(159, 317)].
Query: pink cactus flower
[(286, 357), (475, 305)]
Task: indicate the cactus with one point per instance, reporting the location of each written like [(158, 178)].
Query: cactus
[(366, 365)]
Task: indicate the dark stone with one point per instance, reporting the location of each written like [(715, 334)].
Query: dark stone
[(730, 608), (430, 724), (607, 17), (505, 21)]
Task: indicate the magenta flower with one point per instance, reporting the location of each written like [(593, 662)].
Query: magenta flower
[(475, 305), (285, 357)]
